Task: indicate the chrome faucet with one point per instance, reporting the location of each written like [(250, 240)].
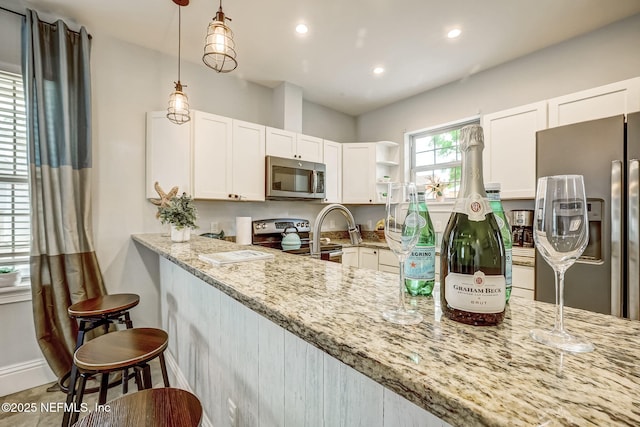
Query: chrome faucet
[(354, 235)]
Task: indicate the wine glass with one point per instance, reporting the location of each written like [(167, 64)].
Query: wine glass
[(561, 233), (402, 230)]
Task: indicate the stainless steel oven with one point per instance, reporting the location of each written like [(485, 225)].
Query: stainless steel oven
[(270, 232), (294, 179)]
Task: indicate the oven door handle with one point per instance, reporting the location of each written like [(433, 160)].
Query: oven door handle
[(335, 254)]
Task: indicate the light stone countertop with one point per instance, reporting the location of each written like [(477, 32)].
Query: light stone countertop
[(466, 375)]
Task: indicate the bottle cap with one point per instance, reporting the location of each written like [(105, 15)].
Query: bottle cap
[(492, 186)]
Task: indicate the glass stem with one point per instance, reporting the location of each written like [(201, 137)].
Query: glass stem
[(401, 295), (559, 325)]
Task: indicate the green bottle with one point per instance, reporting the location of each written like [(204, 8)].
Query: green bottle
[(472, 261), (493, 194), (420, 267)]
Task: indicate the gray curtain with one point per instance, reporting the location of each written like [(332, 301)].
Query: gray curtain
[(64, 268)]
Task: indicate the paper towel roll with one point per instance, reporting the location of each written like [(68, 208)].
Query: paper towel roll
[(243, 230)]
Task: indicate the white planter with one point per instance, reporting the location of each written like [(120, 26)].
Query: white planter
[(182, 235), (10, 279)]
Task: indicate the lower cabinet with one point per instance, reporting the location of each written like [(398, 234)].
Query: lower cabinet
[(523, 284), (368, 258), (388, 261), (350, 256)]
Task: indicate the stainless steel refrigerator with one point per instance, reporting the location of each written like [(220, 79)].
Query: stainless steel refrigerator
[(606, 278)]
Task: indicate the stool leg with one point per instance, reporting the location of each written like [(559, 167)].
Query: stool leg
[(139, 383), (163, 367), (127, 320), (78, 403), (125, 381), (146, 376), (71, 392), (104, 386)]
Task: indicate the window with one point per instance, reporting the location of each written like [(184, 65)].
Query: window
[(14, 187), (435, 157)]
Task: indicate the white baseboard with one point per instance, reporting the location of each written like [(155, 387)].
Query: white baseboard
[(178, 380), (21, 376)]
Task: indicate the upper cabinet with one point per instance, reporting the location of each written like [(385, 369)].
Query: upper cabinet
[(168, 154), (510, 148), (283, 143), (604, 101), (210, 157), (333, 176), (365, 169)]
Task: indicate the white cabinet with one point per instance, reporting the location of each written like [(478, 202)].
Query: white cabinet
[(387, 261), (210, 157), (247, 168), (364, 165), (523, 281), (604, 101), (168, 154), (510, 148), (333, 175), (368, 258), (350, 256), (283, 143)]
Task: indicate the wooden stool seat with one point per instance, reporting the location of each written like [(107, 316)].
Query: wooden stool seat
[(104, 305), (117, 350), (156, 407)]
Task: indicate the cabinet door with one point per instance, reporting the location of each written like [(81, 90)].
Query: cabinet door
[(309, 148), (358, 173), (350, 257), (248, 150), (333, 176), (510, 149), (212, 156), (281, 143), (597, 103), (168, 152), (368, 258)]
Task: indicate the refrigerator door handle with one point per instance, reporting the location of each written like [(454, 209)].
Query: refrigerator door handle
[(633, 214), (616, 238)]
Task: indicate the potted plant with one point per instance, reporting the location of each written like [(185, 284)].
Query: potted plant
[(435, 187), (9, 276), (181, 214)]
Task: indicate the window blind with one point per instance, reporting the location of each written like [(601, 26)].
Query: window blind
[(14, 186)]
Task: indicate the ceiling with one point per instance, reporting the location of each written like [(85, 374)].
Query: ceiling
[(333, 62)]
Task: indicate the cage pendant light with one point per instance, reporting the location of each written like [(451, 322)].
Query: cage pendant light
[(178, 111), (219, 47)]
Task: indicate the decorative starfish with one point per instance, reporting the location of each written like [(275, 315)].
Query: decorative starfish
[(164, 199)]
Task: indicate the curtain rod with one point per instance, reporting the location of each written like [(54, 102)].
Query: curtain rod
[(24, 16)]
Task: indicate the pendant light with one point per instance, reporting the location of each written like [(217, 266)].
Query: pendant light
[(219, 48), (178, 111)]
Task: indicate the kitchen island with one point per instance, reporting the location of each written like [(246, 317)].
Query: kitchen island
[(298, 341)]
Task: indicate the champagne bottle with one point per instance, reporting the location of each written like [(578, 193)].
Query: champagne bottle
[(420, 267), (472, 258), (493, 194)]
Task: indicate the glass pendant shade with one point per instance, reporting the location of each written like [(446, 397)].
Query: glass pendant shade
[(219, 48), (178, 111)]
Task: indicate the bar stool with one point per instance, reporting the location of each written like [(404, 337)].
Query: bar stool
[(116, 351), (157, 407), (104, 311)]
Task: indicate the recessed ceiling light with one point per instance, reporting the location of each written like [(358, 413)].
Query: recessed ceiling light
[(455, 33), (378, 70), (302, 29)]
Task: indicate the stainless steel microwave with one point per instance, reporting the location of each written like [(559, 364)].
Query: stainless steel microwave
[(289, 179)]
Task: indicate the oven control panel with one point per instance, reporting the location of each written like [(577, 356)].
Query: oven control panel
[(279, 225)]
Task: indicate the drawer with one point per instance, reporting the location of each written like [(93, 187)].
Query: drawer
[(386, 257)]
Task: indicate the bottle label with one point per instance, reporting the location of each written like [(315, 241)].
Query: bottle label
[(420, 265), (475, 207), (475, 293)]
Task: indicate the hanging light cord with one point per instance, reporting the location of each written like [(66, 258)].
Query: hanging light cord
[(180, 37)]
